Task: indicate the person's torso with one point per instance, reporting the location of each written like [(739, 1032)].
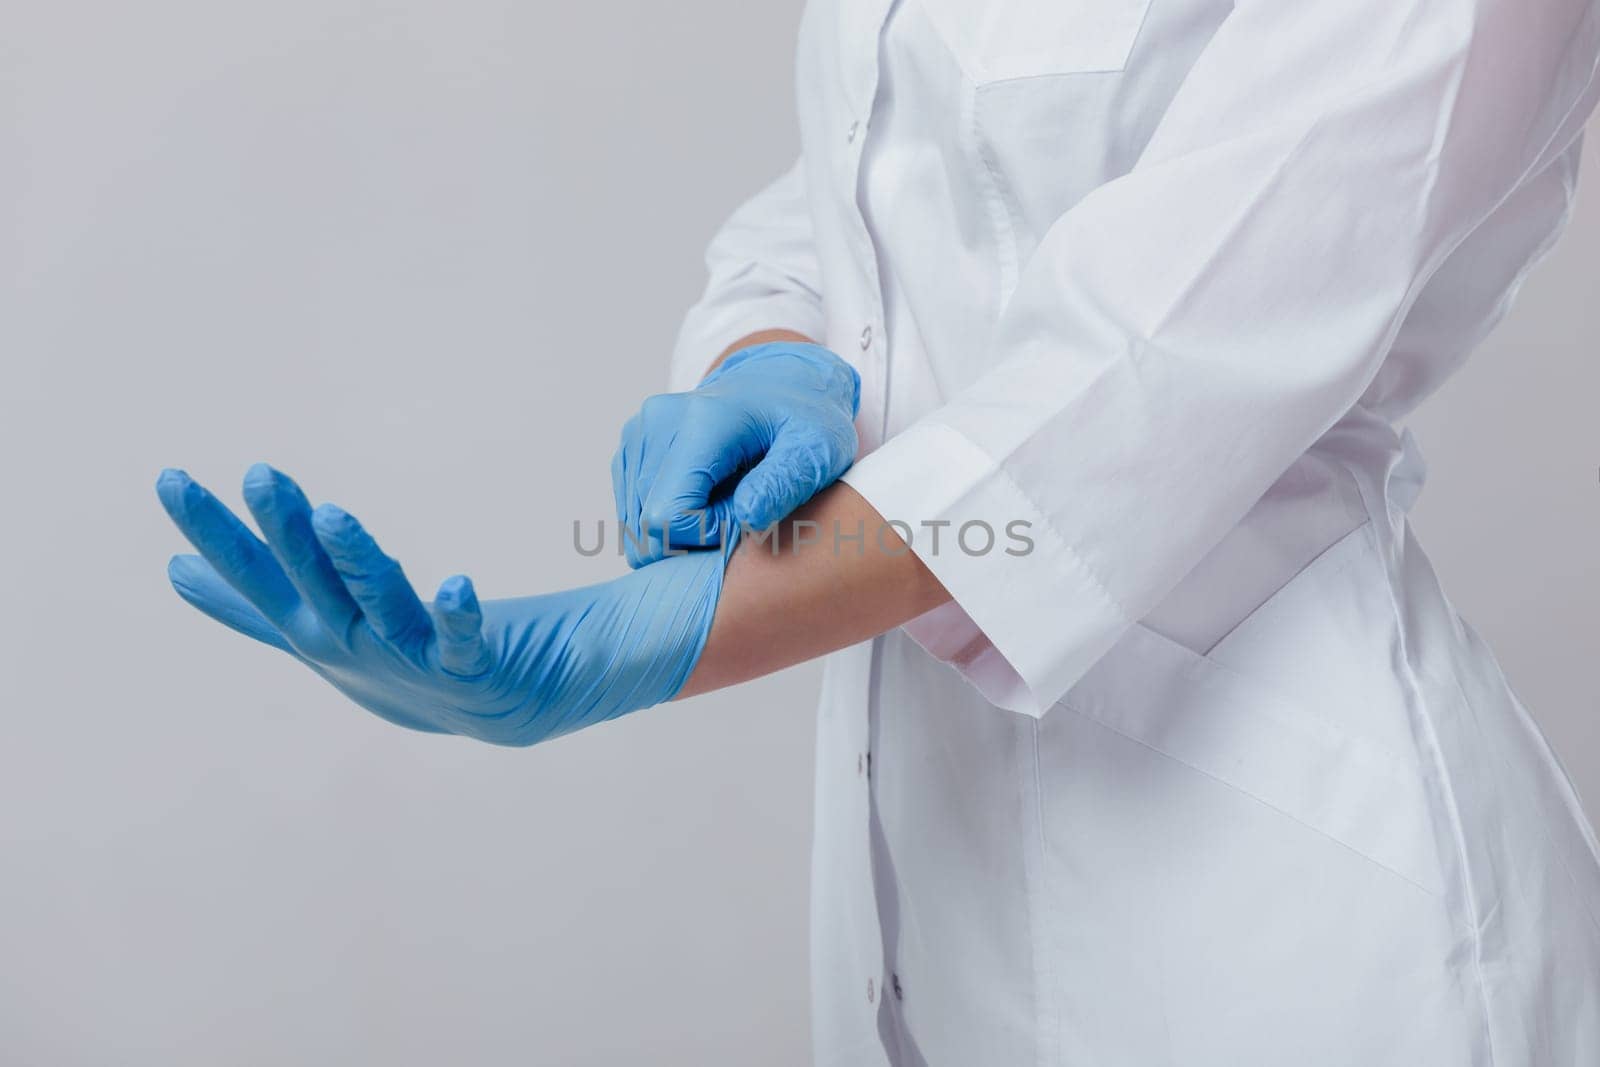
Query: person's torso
[(1260, 725)]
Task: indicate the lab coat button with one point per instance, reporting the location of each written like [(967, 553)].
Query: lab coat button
[(850, 134), (894, 983), (872, 994), (859, 763), (866, 337)]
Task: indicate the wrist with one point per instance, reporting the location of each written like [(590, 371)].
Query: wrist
[(751, 340), (834, 374)]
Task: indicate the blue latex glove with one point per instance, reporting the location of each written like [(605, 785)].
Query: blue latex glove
[(512, 672), (783, 412)]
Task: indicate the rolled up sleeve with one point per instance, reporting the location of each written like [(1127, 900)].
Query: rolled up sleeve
[(1185, 332)]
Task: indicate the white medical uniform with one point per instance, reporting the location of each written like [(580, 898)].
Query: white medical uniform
[(1214, 774)]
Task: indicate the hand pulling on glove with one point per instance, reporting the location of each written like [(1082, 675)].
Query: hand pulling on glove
[(765, 432)]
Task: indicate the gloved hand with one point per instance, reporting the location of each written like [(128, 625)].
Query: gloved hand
[(512, 672), (784, 412)]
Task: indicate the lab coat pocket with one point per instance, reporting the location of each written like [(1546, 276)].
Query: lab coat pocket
[(998, 40), (1313, 726)]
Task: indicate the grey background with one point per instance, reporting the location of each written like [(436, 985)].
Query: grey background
[(427, 257)]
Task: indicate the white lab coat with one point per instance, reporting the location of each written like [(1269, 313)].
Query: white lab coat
[(1214, 774)]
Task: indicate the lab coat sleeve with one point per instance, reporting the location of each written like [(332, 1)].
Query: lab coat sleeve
[(763, 276), (1184, 332)]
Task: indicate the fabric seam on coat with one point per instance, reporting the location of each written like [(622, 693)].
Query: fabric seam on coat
[(1418, 702)]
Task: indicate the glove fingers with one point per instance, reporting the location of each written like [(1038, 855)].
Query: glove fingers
[(458, 625), (284, 515), (619, 491), (641, 461), (203, 588), (789, 475), (374, 580), (238, 555), (625, 473), (679, 496)]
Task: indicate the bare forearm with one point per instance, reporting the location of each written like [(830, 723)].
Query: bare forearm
[(760, 337), (788, 602)]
